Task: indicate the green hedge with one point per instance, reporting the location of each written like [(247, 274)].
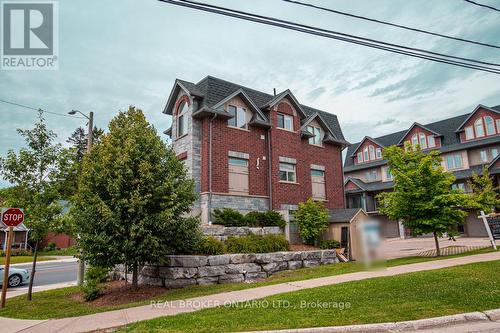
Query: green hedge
[(329, 244), (231, 218), (212, 246), (257, 244)]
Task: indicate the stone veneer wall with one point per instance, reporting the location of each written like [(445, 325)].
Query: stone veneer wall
[(186, 270), (222, 233), (242, 203)]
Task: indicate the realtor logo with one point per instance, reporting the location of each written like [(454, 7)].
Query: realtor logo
[(29, 35)]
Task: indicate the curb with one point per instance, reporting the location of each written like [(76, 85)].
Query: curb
[(56, 261), (402, 326)]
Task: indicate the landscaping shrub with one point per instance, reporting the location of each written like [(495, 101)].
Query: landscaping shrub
[(270, 218), (20, 252), (2, 254), (312, 218), (211, 246), (51, 246), (329, 244), (257, 244), (229, 217), (183, 235), (93, 276)]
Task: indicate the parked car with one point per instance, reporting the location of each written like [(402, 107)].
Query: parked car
[(17, 276)]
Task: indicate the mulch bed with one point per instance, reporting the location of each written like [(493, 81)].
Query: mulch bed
[(115, 293), (303, 247)]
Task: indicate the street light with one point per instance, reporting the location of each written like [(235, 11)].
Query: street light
[(90, 117)]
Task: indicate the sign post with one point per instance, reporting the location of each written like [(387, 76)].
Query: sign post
[(492, 225), (11, 217)]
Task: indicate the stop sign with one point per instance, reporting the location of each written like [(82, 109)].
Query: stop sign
[(12, 217)]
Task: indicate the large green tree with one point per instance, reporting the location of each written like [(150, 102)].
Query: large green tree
[(422, 198), (133, 193), (33, 175)]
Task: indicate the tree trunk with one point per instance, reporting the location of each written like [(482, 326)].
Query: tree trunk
[(135, 273), (32, 275), (438, 251)]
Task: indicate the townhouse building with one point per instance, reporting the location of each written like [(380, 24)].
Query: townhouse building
[(253, 151), (468, 143)]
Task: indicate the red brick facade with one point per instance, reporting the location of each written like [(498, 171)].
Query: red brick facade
[(417, 130), (284, 143), (366, 144)]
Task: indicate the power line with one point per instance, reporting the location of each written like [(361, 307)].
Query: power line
[(482, 5), (391, 24), (39, 110), (394, 48)]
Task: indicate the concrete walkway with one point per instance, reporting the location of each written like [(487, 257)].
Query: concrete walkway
[(122, 317)]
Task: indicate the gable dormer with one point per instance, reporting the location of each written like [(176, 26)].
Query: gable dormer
[(421, 135), (368, 150), (316, 130), (481, 123), (242, 111), (285, 112)]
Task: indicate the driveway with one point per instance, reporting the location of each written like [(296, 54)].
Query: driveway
[(397, 248)]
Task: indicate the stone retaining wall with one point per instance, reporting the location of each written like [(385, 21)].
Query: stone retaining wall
[(222, 233), (186, 270)]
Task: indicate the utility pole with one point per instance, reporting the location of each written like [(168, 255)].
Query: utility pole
[(81, 264)]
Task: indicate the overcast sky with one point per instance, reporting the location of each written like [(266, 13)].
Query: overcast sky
[(119, 53)]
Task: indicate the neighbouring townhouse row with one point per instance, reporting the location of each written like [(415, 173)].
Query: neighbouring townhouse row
[(249, 150), (468, 143)]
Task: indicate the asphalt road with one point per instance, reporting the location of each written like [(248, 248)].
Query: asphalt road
[(49, 272)]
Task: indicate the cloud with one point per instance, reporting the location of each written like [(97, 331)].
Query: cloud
[(313, 94), (386, 121)]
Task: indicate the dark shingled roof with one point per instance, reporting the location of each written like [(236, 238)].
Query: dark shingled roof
[(213, 90), (343, 214), (449, 141), (370, 186)]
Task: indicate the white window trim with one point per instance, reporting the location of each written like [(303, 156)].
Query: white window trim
[(360, 157), (422, 140), (471, 136), (430, 139), (455, 167), (314, 137), (366, 157), (378, 153), (183, 115), (479, 124), (285, 116), (371, 149), (236, 118), (492, 125), (287, 172)]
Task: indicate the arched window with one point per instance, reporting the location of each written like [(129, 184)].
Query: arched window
[(182, 119), (478, 127), (490, 126), (365, 155), (423, 142), (414, 139), (372, 153)]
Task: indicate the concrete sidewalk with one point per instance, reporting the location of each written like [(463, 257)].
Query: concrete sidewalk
[(122, 317)]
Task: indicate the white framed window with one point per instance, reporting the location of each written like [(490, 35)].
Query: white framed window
[(490, 125), (431, 141), (365, 154), (422, 140), (316, 139), (238, 175), (239, 118), (494, 152), (285, 121), (378, 152), (484, 155), (372, 152), (287, 172), (469, 133), (479, 128), (498, 125), (388, 173), (182, 119), (414, 139), (458, 186), (371, 175), (318, 184), (360, 157), (454, 161)]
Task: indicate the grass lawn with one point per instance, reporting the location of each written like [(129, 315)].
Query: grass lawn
[(23, 259), (60, 303), (70, 251), (459, 289)]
